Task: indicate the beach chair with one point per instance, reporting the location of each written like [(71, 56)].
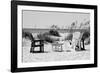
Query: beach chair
[(34, 45), (57, 47), (78, 41), (80, 46)]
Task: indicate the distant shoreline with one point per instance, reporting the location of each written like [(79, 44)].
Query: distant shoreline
[(45, 30)]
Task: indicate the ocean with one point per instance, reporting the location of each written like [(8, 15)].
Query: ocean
[(46, 30)]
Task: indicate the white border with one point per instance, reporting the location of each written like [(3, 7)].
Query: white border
[(19, 52)]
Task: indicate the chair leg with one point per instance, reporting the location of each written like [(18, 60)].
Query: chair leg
[(41, 48), (32, 47), (83, 45), (79, 45)]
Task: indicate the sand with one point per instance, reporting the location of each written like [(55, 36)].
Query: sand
[(51, 55)]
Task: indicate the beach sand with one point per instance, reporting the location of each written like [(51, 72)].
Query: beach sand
[(51, 55)]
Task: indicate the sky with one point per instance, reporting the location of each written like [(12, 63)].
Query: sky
[(45, 19)]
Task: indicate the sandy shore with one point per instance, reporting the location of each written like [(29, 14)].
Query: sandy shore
[(50, 55)]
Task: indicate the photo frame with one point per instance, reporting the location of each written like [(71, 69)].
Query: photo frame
[(37, 17)]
